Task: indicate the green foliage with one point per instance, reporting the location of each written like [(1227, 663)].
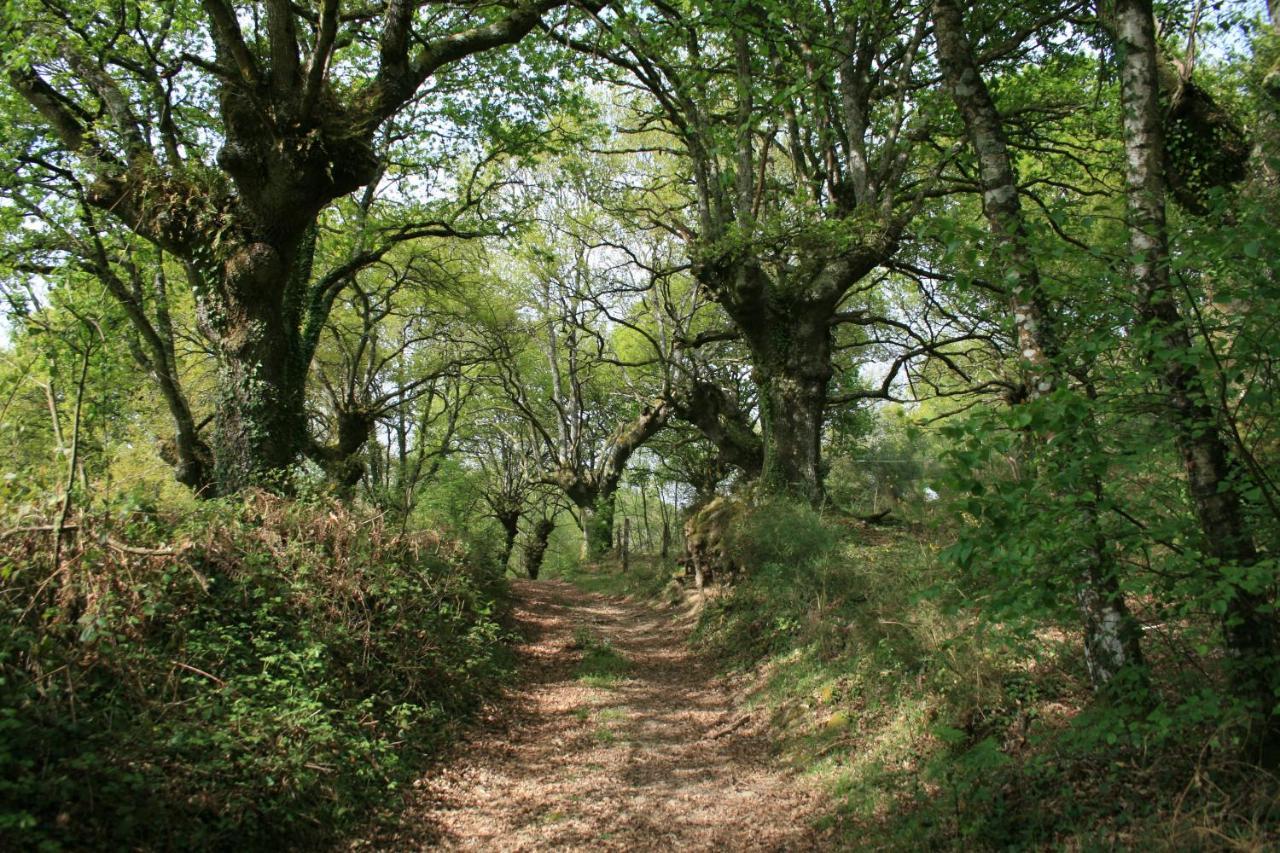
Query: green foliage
[(279, 671), (647, 578), (267, 678), (937, 726), (784, 549), (781, 533), (889, 468)]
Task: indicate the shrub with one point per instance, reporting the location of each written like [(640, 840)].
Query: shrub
[(780, 532), (263, 672), (783, 549)]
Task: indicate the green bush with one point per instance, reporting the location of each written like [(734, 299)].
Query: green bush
[(781, 533), (784, 550), (265, 677)]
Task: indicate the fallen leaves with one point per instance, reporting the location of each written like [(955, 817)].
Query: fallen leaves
[(680, 767)]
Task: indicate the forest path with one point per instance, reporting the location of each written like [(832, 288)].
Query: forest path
[(658, 758)]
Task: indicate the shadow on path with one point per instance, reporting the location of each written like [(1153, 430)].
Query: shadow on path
[(659, 760)]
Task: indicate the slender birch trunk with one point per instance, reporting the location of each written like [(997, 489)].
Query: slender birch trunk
[(1112, 635), (1248, 629)]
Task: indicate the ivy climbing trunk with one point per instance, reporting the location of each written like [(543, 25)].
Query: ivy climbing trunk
[(510, 522), (259, 424), (535, 549), (597, 522), (791, 354), (1248, 626), (792, 413)]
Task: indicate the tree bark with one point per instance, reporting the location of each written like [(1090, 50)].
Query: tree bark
[(260, 425), (597, 521), (785, 318), (1112, 635), (793, 405), (510, 522), (707, 407), (791, 348), (594, 492), (1248, 630), (535, 549), (845, 211)]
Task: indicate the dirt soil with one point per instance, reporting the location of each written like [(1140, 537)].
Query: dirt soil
[(663, 758)]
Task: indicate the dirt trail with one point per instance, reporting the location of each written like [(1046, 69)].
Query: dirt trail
[(660, 760)]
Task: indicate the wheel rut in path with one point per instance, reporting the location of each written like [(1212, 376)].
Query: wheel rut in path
[(660, 759)]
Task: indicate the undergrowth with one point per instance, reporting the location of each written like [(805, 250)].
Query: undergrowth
[(257, 672), (646, 578), (938, 729)]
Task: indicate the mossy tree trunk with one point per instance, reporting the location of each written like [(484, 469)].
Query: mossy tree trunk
[(344, 462), (723, 423), (793, 405), (259, 424), (828, 152), (292, 142), (597, 522), (510, 522), (594, 490), (535, 549), (786, 323)]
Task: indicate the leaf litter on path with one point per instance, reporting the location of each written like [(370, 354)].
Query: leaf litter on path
[(658, 757)]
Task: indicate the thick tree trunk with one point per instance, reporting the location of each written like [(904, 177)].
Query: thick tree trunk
[(792, 409), (1248, 629), (510, 522), (1112, 635), (535, 549), (792, 359), (594, 492), (260, 423), (260, 428), (786, 325), (597, 522)]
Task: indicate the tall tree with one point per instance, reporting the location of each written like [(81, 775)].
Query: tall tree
[(301, 97), (801, 144), (1111, 633), (588, 431), (1213, 480)]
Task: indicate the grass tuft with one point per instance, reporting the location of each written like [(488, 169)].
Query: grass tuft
[(601, 664)]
